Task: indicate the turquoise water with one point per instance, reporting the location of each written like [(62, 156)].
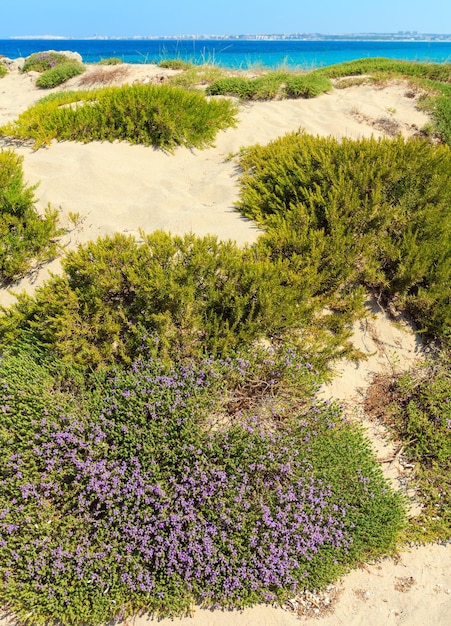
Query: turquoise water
[(237, 53)]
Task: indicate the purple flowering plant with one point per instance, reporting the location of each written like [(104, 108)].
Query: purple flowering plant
[(122, 493), (43, 61)]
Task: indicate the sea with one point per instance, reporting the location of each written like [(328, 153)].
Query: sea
[(236, 54)]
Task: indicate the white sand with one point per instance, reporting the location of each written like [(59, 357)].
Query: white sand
[(118, 187)]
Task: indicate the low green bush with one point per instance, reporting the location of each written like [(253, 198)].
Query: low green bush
[(59, 74), (161, 116), (231, 86), (3, 70), (43, 61), (119, 494), (306, 86), (271, 85), (111, 61), (384, 223), (190, 296), (175, 64), (26, 238)]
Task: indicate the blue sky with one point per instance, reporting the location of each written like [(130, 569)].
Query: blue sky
[(85, 18)]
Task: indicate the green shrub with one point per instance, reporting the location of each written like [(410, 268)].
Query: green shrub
[(441, 114), (3, 70), (111, 61), (270, 86), (384, 223), (231, 86), (119, 495), (306, 86), (26, 238), (59, 74), (175, 64), (191, 295), (43, 61), (161, 116)]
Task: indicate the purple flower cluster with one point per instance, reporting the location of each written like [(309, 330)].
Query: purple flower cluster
[(140, 496)]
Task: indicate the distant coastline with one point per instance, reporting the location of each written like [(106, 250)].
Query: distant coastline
[(399, 36)]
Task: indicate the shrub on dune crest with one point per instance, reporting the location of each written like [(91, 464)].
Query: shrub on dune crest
[(271, 85), (43, 61), (59, 74), (160, 116)]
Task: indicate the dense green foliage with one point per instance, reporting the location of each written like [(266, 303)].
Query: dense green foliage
[(3, 70), (59, 74), (270, 86), (441, 113), (26, 238), (372, 212), (193, 296), (43, 61), (306, 86), (119, 494), (417, 408), (161, 116)]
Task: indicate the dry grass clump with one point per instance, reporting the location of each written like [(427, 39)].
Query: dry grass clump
[(105, 75)]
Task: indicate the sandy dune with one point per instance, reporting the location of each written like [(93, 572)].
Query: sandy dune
[(118, 187)]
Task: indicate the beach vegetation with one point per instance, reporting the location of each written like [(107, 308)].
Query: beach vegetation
[(440, 109), (26, 237), (198, 76), (3, 70), (111, 61), (440, 72), (121, 495), (193, 296), (162, 436), (175, 64), (280, 84), (416, 407), (162, 116), (306, 85), (43, 61), (59, 74), (384, 224)]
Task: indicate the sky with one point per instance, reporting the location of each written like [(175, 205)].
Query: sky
[(87, 18)]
